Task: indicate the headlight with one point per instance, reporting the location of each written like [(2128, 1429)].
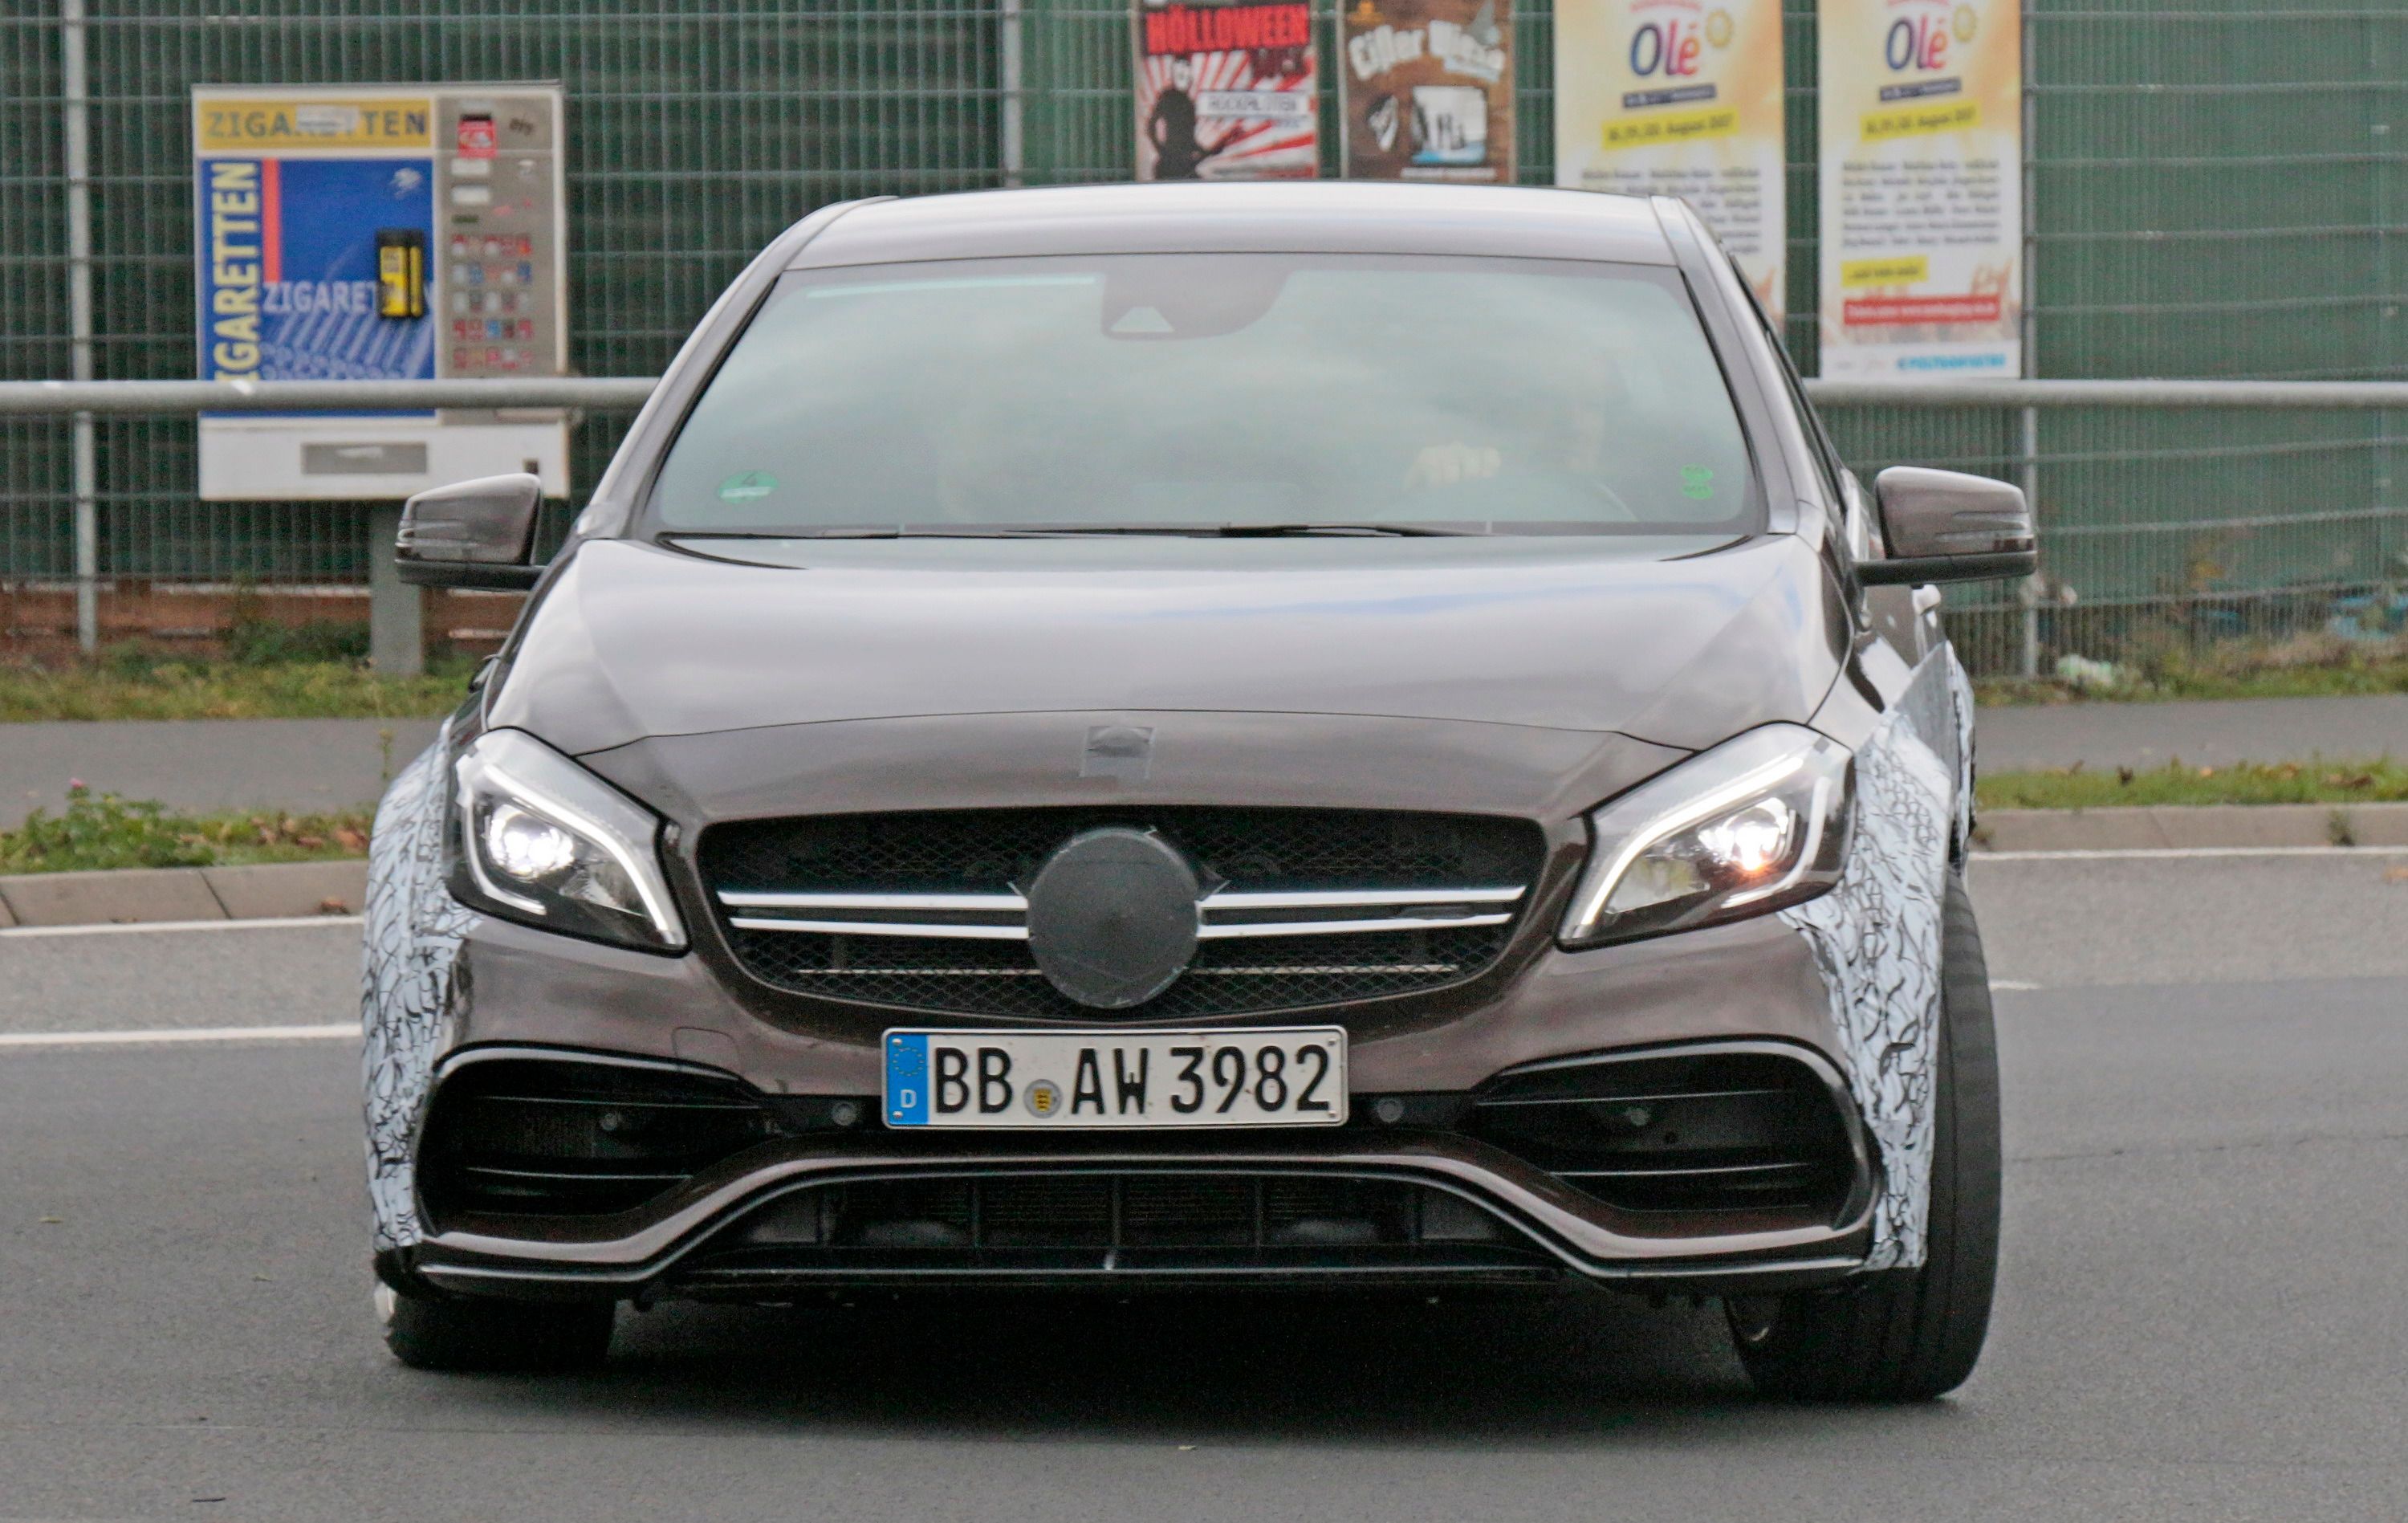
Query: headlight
[(1755, 824), (544, 840)]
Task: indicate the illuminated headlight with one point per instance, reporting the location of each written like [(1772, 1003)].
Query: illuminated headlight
[(1757, 823), (544, 840)]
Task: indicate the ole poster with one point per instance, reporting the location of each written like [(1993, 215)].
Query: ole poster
[(1680, 98), (1922, 117), (1225, 91), (1428, 90)]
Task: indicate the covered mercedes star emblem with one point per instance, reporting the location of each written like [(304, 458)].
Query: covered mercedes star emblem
[(1111, 916)]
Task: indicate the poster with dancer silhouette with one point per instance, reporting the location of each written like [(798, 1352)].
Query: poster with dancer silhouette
[(1428, 90), (1226, 89)]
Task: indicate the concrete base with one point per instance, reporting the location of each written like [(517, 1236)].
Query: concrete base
[(397, 610)]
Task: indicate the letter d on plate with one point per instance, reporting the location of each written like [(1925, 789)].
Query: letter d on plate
[(907, 1079)]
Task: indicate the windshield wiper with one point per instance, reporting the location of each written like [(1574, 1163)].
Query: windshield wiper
[(1067, 531), (891, 531), (1284, 531)]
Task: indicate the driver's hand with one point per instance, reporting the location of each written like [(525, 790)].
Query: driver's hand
[(1443, 464)]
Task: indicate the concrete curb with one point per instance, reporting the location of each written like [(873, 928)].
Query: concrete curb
[(135, 896), (2194, 826)]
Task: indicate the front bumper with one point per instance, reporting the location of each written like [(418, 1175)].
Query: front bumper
[(1747, 987), (698, 1240)]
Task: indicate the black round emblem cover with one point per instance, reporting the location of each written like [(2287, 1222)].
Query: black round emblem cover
[(1111, 916)]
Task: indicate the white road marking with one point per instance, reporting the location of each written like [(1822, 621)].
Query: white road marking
[(273, 923), (2012, 985), (195, 1033), (2146, 852)]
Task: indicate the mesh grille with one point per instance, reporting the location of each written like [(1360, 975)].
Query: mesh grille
[(990, 850)]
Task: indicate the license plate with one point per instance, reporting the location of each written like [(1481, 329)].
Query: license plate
[(1065, 1081)]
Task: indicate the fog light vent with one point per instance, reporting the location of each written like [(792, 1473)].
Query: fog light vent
[(545, 1137), (1703, 1131)]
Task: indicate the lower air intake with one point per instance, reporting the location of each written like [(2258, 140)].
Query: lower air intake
[(1710, 1131), (1173, 1224), (541, 1137)]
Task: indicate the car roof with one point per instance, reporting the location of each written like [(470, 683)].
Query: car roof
[(1315, 216)]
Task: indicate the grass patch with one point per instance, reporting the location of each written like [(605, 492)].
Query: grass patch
[(136, 681), (2244, 782), (2307, 667), (100, 831)]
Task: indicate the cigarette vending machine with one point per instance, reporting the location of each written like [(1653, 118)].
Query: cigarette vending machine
[(379, 233)]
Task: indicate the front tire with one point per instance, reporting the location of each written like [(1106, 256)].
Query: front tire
[(479, 1333), (1909, 1335)]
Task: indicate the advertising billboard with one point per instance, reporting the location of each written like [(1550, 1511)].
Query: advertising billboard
[(1226, 89), (1922, 174), (378, 233), (1680, 98), (1427, 89)]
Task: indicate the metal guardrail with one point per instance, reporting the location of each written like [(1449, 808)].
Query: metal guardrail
[(169, 397), (2323, 545), (56, 398), (2346, 395)]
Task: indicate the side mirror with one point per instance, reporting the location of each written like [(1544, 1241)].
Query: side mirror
[(1943, 525), (471, 534)]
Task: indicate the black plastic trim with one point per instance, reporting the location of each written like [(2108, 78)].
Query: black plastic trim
[(467, 574), (1918, 571), (1864, 1171)]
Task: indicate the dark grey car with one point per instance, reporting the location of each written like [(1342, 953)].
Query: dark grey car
[(1204, 735)]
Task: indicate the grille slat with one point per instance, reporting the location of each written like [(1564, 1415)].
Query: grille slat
[(1253, 860)]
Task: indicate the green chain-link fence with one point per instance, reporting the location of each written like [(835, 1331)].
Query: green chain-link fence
[(2217, 188)]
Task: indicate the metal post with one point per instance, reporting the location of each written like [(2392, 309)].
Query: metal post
[(2029, 469), (1015, 156), (86, 481), (396, 608)]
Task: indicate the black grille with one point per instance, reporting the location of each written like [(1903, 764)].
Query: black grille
[(521, 1136), (1710, 1132), (994, 851), (1212, 1224)]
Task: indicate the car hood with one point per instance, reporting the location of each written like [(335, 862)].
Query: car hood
[(1679, 642)]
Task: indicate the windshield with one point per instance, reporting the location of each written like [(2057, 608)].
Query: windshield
[(1216, 392)]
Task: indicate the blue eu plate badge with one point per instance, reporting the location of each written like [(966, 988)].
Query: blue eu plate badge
[(907, 1079)]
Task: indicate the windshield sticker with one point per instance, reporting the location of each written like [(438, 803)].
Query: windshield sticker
[(1696, 481), (745, 485)]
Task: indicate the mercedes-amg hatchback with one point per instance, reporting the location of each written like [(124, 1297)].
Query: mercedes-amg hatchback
[(1204, 735)]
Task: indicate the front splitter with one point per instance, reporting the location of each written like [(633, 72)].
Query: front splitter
[(1550, 1222)]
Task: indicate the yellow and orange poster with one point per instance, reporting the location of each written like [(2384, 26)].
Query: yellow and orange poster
[(1922, 175), (1680, 98)]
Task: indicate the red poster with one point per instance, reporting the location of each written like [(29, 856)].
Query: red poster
[(1225, 89)]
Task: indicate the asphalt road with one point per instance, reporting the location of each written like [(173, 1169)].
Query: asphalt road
[(2201, 1317)]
